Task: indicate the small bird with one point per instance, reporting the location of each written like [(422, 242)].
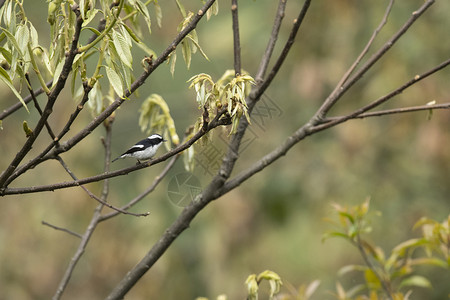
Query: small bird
[(144, 149)]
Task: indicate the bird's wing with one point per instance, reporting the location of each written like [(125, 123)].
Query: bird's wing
[(138, 147)]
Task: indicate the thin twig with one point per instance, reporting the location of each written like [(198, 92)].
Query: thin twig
[(52, 97), (394, 111), (39, 158), (256, 93), (233, 148), (141, 196), (363, 52), (38, 107), (383, 99), (62, 229), (272, 41), (95, 217), (66, 146), (103, 202), (335, 96), (217, 121), (236, 38), (18, 105)]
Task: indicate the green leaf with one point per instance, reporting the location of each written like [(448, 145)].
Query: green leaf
[(173, 60), (198, 47), (89, 16), (158, 13), (22, 36), (6, 79), (58, 71), (123, 49), (144, 11), (115, 81), (417, 281), (252, 286), (213, 10), (34, 37), (95, 102), (371, 279), (186, 50), (6, 54), (8, 14), (83, 9), (181, 8), (351, 268), (334, 234), (13, 41), (28, 131)]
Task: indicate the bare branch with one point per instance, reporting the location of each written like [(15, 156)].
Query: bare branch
[(256, 93), (141, 196), (211, 192), (95, 217), (364, 51), (337, 94), (38, 107), (272, 41), (101, 201), (385, 98), (62, 229), (13, 108), (395, 111), (236, 38), (309, 128), (217, 121)]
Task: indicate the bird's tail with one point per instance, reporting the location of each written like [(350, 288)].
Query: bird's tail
[(116, 159)]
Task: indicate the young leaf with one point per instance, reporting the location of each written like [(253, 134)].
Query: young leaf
[(6, 79), (123, 49), (144, 11), (114, 80), (186, 50), (13, 41), (158, 13), (416, 280)]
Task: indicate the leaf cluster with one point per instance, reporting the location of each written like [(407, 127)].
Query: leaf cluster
[(389, 276)]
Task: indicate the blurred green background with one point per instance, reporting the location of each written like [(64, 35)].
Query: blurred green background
[(275, 220)]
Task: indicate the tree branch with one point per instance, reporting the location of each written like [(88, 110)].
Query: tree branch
[(256, 94), (13, 108), (62, 229), (395, 111), (362, 54), (95, 217), (383, 99), (340, 90), (236, 38), (217, 121), (272, 41), (51, 154), (211, 192), (39, 158), (141, 196), (50, 102)]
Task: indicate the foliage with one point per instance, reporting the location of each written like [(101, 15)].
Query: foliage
[(104, 57), (388, 277), (385, 278)]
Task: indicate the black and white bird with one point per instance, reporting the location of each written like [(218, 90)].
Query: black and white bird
[(144, 149)]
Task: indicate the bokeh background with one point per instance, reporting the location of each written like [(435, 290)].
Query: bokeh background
[(276, 219)]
